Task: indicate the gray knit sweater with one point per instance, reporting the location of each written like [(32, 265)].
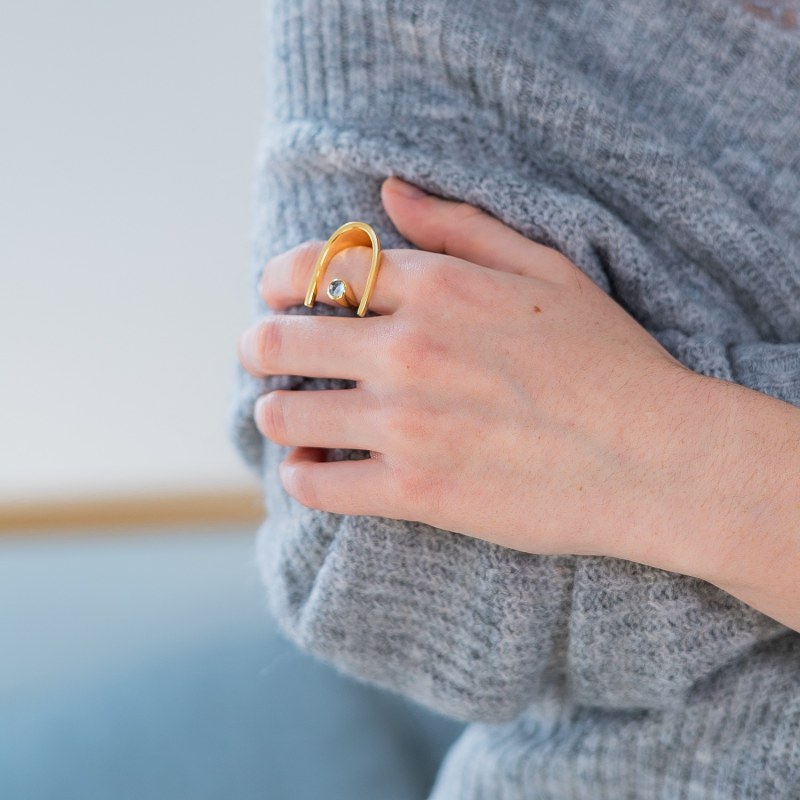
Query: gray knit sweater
[(656, 143)]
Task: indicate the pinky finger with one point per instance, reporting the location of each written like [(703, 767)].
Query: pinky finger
[(342, 487)]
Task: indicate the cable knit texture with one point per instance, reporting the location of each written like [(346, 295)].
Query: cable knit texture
[(656, 143)]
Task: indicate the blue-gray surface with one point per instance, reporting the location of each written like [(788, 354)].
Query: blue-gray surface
[(144, 665), (655, 143)]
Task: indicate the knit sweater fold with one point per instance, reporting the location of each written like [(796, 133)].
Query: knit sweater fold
[(657, 145)]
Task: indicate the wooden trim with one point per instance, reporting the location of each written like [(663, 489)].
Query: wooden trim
[(179, 508)]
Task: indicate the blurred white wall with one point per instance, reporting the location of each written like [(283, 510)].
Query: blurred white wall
[(127, 141)]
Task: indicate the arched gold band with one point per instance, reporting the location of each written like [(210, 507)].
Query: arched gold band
[(351, 234)]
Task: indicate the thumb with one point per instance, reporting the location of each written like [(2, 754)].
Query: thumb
[(462, 230)]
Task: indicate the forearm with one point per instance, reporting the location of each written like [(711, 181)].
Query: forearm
[(740, 524)]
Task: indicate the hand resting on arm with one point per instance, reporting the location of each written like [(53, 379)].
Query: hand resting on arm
[(411, 411)]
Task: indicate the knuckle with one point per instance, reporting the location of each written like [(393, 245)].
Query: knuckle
[(269, 340), (438, 278), (414, 487), (410, 350), (443, 285), (404, 422), (460, 218), (462, 212), (350, 258)]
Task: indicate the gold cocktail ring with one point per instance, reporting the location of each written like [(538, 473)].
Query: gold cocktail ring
[(350, 234)]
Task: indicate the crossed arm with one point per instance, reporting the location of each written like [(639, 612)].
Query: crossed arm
[(667, 467)]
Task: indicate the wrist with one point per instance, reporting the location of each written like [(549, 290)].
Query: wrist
[(729, 507), (757, 496)]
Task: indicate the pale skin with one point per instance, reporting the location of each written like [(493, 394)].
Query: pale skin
[(503, 395)]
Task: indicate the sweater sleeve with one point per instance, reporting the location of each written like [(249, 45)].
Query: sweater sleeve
[(772, 368)]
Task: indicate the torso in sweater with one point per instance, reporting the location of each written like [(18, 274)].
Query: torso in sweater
[(656, 143)]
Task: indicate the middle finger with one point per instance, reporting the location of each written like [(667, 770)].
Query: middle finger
[(312, 346)]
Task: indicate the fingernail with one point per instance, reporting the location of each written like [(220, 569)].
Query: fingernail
[(406, 189)]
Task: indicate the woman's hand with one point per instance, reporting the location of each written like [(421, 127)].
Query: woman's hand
[(500, 392)]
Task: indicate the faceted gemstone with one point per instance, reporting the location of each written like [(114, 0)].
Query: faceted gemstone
[(336, 289)]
